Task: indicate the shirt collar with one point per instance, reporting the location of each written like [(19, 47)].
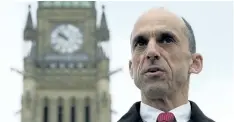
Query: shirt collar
[(150, 114)]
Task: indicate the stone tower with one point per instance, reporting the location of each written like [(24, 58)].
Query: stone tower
[(67, 72)]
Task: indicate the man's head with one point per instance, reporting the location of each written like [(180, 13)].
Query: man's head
[(163, 53)]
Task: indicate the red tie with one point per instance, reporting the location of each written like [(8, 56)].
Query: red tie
[(166, 117)]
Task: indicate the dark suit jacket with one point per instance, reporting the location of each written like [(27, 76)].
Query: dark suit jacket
[(133, 115)]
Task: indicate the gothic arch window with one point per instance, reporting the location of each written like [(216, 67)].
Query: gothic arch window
[(45, 109), (28, 99), (87, 109), (60, 108), (98, 104), (73, 109), (104, 99)]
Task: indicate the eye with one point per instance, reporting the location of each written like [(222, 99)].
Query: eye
[(166, 38), (140, 41)]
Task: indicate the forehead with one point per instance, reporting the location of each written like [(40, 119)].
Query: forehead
[(157, 20)]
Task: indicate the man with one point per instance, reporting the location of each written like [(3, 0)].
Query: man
[(163, 58)]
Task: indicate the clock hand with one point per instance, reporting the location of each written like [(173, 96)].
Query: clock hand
[(63, 36)]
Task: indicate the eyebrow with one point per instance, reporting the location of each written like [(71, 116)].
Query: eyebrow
[(148, 34)]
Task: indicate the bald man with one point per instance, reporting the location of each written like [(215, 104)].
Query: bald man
[(163, 58)]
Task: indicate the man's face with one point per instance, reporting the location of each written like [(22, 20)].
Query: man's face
[(161, 61)]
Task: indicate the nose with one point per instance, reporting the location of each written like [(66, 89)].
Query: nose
[(152, 53)]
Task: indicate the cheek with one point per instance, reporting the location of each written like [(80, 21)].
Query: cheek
[(179, 63), (176, 58), (136, 60)]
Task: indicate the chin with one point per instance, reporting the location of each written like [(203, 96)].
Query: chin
[(157, 90)]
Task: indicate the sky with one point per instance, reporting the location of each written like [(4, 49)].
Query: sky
[(212, 22)]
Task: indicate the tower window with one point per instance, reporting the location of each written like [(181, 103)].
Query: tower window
[(60, 110), (73, 110), (87, 110), (45, 114), (73, 115), (87, 113), (46, 110)]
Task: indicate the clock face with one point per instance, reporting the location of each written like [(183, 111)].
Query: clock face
[(66, 38)]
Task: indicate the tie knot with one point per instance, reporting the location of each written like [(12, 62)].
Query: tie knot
[(166, 117)]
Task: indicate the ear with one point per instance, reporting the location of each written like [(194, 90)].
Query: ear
[(196, 64), (130, 68)]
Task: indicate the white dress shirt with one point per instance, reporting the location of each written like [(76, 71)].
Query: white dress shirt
[(150, 114)]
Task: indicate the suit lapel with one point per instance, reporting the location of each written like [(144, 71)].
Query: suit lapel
[(133, 115), (197, 115)]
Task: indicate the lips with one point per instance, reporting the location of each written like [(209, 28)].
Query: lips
[(154, 71)]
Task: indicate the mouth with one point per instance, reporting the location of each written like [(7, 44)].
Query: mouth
[(154, 72), (154, 69)]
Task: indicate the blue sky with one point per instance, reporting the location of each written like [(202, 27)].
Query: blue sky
[(212, 22)]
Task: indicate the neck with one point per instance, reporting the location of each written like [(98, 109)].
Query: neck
[(166, 103)]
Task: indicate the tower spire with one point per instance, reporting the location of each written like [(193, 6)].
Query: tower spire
[(29, 30), (103, 32), (29, 23)]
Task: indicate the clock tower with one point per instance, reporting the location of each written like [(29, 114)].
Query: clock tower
[(67, 72)]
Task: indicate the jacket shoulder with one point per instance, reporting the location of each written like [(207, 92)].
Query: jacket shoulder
[(197, 115), (133, 114)]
